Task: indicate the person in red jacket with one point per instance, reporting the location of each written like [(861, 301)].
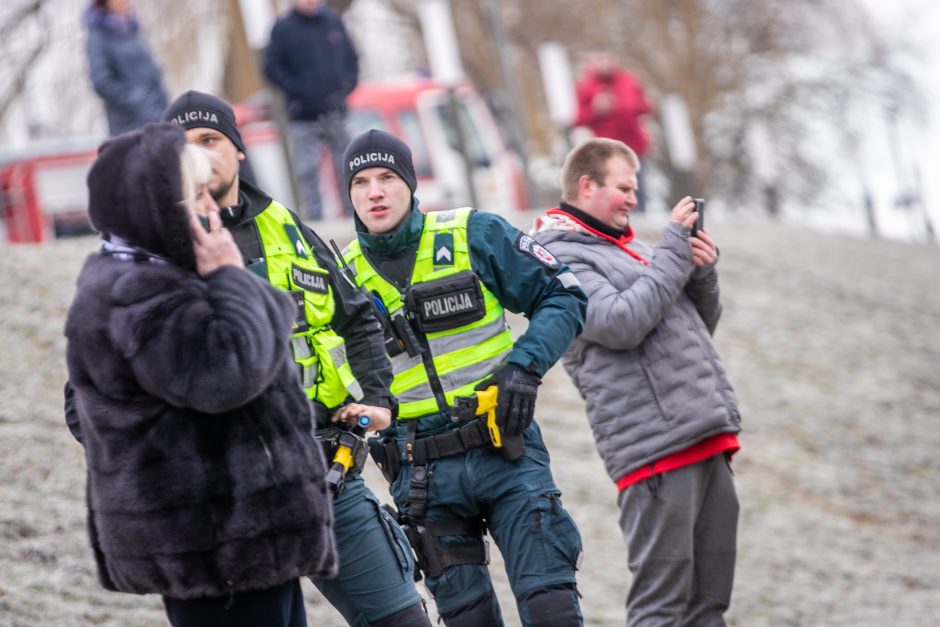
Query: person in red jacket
[(612, 103)]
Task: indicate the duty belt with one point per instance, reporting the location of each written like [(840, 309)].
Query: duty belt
[(453, 442)]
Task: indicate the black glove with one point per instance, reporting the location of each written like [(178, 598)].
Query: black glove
[(515, 401)]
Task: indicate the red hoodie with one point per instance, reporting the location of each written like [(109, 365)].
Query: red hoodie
[(622, 122)]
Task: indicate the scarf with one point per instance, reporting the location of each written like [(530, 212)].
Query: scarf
[(567, 217)]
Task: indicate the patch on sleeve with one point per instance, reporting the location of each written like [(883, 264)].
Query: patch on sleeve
[(528, 245)]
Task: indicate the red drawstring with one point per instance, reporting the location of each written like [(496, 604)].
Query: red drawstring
[(620, 243)]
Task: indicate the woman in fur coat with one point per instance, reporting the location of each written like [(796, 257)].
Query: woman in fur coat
[(204, 483)]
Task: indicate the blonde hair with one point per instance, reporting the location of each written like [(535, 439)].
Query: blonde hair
[(590, 158), (195, 170)]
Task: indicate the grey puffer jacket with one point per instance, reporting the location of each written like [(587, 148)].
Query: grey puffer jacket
[(645, 363)]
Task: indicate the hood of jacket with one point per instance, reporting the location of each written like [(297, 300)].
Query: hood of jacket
[(567, 218), (135, 192)]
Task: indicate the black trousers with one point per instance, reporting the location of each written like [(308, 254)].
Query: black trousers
[(280, 606)]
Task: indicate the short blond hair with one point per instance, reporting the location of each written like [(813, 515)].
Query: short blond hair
[(590, 159), (195, 170)]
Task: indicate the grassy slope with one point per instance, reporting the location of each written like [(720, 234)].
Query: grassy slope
[(833, 345)]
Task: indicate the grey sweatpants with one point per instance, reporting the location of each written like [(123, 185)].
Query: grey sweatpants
[(681, 530)]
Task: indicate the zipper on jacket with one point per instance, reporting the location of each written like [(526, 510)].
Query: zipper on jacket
[(652, 386), (433, 379)]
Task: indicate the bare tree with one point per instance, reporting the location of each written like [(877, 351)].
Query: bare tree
[(27, 21), (44, 80), (801, 69), (794, 66)]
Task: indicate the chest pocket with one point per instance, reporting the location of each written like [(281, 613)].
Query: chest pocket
[(313, 284), (447, 303)]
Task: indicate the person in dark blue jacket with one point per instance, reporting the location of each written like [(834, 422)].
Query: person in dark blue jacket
[(312, 60), (121, 68)]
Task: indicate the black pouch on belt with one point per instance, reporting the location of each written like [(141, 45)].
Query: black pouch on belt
[(446, 303), (384, 452)]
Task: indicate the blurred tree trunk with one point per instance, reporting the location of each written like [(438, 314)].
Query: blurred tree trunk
[(242, 76), (19, 71)]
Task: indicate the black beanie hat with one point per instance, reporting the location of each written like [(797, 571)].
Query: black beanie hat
[(378, 149), (196, 109)]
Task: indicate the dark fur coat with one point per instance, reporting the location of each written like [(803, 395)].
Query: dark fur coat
[(203, 475)]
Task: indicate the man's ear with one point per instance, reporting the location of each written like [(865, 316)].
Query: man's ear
[(586, 186), (241, 156)]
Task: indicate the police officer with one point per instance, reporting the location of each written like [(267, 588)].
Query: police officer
[(442, 281), (338, 349)]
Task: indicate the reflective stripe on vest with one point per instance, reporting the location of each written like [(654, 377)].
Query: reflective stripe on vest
[(463, 356), (320, 353)]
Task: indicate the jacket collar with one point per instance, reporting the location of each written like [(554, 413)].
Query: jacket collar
[(563, 220), (319, 12), (251, 202), (595, 225), (402, 240)]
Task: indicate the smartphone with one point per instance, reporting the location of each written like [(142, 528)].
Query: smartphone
[(204, 221), (700, 221)]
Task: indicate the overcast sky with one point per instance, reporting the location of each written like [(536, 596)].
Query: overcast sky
[(916, 21)]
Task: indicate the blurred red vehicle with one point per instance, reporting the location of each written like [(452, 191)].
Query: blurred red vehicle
[(419, 112), (43, 193)]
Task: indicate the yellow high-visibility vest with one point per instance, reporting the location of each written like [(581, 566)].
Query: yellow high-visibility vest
[(318, 350), (460, 357)]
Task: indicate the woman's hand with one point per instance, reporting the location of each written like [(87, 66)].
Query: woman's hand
[(214, 248)]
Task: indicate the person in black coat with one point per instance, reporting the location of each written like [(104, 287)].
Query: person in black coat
[(312, 60), (205, 484)]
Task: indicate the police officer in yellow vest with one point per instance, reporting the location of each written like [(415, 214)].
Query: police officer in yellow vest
[(338, 348), (441, 282)]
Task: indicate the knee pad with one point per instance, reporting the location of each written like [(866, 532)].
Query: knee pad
[(412, 616), (556, 606), (483, 612)]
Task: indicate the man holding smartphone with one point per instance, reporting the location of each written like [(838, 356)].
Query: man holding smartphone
[(664, 415)]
